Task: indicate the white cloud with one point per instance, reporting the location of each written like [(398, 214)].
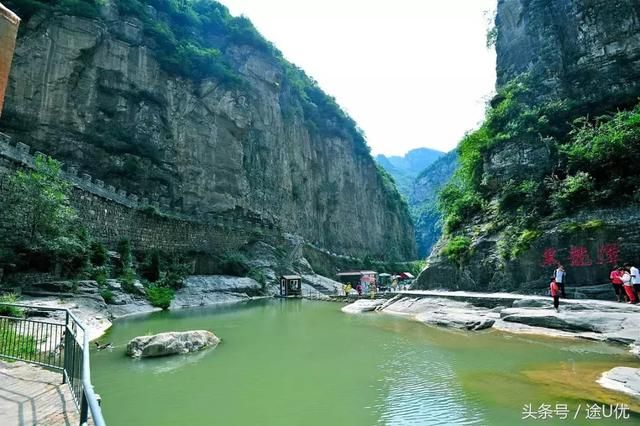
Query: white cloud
[(412, 73)]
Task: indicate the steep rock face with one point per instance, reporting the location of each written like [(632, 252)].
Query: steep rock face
[(91, 93), (585, 56), (584, 50)]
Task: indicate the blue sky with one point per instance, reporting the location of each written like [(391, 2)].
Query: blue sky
[(412, 73)]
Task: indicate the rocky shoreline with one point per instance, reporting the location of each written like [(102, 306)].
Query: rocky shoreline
[(85, 302), (610, 322)]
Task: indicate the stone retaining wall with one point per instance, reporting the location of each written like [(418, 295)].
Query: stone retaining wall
[(111, 214)]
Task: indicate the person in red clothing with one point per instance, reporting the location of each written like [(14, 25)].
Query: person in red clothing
[(616, 281), (554, 289), (628, 285)]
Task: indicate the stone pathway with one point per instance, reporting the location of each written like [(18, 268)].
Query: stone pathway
[(30, 395)]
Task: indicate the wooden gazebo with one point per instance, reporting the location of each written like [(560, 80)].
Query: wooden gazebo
[(290, 286)]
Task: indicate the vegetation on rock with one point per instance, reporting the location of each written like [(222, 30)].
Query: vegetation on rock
[(591, 163)]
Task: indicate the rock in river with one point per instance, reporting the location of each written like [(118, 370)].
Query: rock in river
[(623, 379), (171, 343)]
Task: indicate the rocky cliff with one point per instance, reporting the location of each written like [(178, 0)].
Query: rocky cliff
[(547, 178), (97, 88)]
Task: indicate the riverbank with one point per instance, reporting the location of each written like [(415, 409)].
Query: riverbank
[(97, 316), (523, 314)]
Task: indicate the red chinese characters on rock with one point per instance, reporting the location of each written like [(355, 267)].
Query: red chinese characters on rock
[(579, 256), (549, 257), (608, 254)]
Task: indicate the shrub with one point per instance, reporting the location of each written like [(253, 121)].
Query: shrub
[(98, 254), (234, 263), (150, 269), (260, 277), (10, 311), (126, 256), (172, 280), (458, 203), (457, 249), (572, 192), (128, 279), (39, 221), (107, 295), (160, 297)]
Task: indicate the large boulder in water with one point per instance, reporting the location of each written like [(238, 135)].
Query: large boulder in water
[(171, 343)]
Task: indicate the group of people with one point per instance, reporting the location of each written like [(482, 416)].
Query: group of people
[(624, 279), (626, 283)]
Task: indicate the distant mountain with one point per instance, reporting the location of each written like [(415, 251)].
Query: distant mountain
[(405, 169), (424, 199), (419, 175)]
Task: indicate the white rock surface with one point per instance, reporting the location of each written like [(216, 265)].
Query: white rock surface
[(171, 343), (622, 379), (362, 305)]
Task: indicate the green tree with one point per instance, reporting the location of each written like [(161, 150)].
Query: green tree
[(40, 217)]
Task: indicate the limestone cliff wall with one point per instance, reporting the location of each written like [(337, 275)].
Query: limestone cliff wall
[(111, 215), (91, 93), (585, 53)]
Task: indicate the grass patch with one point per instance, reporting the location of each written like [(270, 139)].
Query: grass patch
[(587, 226), (10, 311), (14, 344)]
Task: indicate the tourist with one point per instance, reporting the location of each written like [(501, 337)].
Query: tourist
[(635, 280), (359, 290), (554, 290), (348, 289), (616, 281), (627, 284), (559, 276)]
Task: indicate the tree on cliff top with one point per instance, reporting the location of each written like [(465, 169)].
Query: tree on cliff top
[(38, 214)]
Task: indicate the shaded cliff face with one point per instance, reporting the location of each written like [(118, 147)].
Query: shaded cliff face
[(92, 93), (539, 184), (583, 50)]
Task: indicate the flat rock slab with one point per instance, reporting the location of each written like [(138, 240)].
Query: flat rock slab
[(622, 379), (171, 343), (30, 395), (362, 305), (444, 312)]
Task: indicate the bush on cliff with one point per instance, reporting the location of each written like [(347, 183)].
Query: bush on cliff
[(234, 263), (592, 162), (457, 249)]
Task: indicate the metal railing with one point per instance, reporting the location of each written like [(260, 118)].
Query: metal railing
[(61, 346)]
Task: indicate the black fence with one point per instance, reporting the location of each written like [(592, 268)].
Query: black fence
[(52, 338)]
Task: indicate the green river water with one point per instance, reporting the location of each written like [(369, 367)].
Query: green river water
[(293, 362)]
